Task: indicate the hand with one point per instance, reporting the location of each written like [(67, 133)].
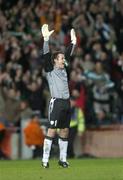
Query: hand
[(45, 32), (73, 36)]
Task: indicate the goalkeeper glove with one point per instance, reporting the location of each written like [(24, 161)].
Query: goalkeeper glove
[(73, 36), (45, 32)]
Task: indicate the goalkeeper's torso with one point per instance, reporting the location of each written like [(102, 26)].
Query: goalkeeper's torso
[(58, 83)]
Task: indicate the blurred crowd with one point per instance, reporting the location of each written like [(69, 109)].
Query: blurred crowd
[(95, 70)]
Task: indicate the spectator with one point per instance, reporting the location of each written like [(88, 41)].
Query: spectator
[(34, 136), (2, 135), (25, 110), (77, 127), (100, 90)]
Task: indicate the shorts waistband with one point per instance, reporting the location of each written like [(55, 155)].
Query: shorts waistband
[(60, 98)]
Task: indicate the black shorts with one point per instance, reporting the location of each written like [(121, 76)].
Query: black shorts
[(59, 113)]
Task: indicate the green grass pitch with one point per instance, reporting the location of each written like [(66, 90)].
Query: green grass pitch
[(80, 169)]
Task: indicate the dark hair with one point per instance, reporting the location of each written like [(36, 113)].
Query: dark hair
[(55, 55)]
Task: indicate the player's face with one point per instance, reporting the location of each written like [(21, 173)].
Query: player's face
[(60, 61)]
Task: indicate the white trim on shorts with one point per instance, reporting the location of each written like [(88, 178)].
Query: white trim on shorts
[(51, 105)]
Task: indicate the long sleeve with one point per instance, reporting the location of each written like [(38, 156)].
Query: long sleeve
[(48, 66), (46, 47), (69, 52)]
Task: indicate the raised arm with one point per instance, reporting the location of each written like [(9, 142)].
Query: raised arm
[(46, 52), (70, 49)]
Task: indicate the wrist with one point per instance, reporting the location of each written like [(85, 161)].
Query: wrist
[(46, 38)]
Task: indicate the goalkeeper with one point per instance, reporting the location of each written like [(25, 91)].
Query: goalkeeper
[(59, 106)]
